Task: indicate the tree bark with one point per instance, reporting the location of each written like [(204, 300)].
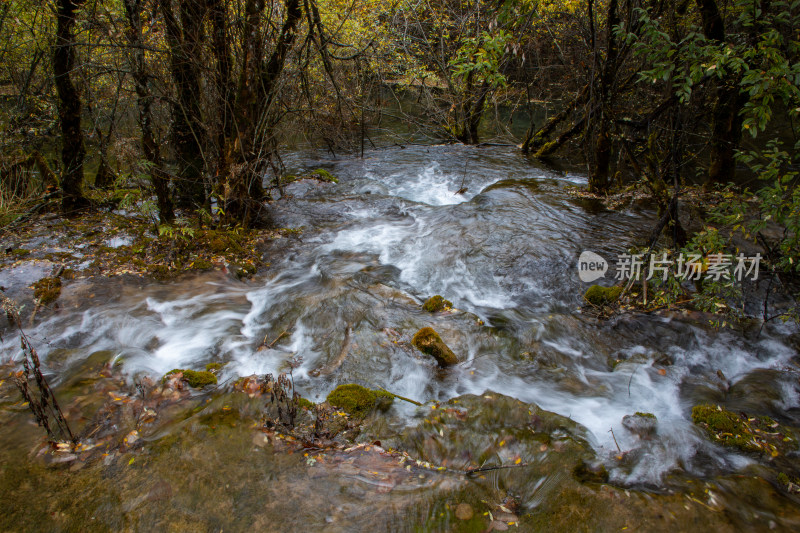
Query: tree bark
[(73, 150), (535, 139), (255, 95), (599, 179), (150, 147), (184, 40)]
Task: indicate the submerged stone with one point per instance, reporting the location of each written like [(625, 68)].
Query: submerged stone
[(358, 401), (436, 303), (599, 295), (429, 342), (589, 473)]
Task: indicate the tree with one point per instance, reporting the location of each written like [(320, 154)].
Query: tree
[(144, 102), (73, 150)]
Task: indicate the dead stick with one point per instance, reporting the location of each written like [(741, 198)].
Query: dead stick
[(279, 337), (615, 440), (409, 400), (470, 471)]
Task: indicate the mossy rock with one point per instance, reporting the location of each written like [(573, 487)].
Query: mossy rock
[(358, 401), (218, 245), (746, 433), (196, 379), (644, 425), (436, 303), (160, 272), (47, 290), (304, 403), (242, 271), (429, 342), (20, 252), (202, 264), (599, 295), (215, 366), (323, 175)]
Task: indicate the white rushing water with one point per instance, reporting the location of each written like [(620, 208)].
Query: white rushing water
[(503, 252)]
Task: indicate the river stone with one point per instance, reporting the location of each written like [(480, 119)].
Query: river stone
[(429, 342), (434, 304), (642, 424)]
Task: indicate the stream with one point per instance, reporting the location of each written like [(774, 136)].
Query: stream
[(373, 247)]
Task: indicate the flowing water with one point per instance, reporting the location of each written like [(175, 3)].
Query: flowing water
[(393, 232)]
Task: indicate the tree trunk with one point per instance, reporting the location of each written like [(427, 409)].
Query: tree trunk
[(150, 147), (726, 131), (253, 107), (184, 42), (535, 139), (726, 123), (69, 108), (470, 112), (599, 179)]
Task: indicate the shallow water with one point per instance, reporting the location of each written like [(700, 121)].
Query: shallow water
[(393, 232)]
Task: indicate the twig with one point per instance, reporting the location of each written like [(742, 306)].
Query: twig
[(631, 381), (463, 189), (270, 345), (470, 471), (615, 440), (409, 400)]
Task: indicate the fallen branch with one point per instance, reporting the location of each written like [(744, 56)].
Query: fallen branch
[(409, 400)]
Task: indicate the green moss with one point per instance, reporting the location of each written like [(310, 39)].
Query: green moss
[(20, 252), (160, 272), (436, 303), (645, 415), (429, 342), (196, 379), (215, 366), (306, 404), (599, 295), (358, 401), (218, 245), (202, 264), (748, 434), (323, 175), (47, 290)]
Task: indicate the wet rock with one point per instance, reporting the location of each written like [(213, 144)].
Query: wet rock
[(358, 401), (590, 473), (643, 425), (599, 295), (434, 304), (196, 379), (429, 342)]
